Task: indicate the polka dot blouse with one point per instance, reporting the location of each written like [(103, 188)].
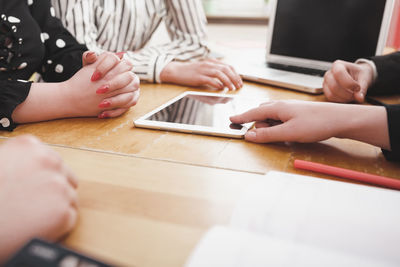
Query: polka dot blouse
[(32, 40)]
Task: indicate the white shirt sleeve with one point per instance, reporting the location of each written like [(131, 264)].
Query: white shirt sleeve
[(372, 64)]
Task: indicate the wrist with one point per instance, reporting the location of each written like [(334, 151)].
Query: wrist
[(169, 73), (52, 95), (67, 101), (369, 73), (365, 123), (369, 67)]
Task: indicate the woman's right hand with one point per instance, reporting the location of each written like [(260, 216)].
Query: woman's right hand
[(306, 121), (105, 88), (209, 72)]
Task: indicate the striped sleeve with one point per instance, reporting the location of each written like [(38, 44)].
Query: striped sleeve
[(78, 18), (186, 25), (128, 25)]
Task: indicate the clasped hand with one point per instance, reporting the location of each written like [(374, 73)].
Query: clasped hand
[(105, 87)]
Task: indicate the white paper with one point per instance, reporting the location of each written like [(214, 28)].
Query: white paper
[(229, 247), (291, 220), (357, 219)]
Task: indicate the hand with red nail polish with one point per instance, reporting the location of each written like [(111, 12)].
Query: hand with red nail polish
[(107, 62), (108, 87), (121, 90), (116, 87)]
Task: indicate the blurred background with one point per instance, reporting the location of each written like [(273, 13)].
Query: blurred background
[(257, 11), (238, 24), (241, 10)]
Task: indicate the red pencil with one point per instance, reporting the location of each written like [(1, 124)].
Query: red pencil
[(349, 174)]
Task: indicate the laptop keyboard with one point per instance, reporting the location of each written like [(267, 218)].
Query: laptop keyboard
[(308, 71)]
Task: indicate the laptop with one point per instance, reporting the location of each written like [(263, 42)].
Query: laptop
[(306, 36)]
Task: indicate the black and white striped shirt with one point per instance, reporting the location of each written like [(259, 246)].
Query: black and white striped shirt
[(127, 25)]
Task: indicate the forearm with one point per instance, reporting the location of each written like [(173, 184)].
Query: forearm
[(46, 101), (368, 124)]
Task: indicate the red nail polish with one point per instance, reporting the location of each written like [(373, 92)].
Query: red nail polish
[(120, 54), (96, 76), (105, 104), (103, 89), (103, 115)]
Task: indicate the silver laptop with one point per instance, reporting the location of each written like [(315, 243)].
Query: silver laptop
[(306, 36)]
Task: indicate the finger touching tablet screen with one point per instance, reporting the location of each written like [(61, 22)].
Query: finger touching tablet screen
[(200, 113)]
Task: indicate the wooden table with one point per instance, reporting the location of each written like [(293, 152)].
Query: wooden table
[(147, 196)]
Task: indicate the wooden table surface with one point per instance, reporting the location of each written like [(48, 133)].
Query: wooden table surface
[(118, 135), (147, 196)]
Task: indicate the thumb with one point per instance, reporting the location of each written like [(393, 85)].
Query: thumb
[(269, 134), (89, 57)]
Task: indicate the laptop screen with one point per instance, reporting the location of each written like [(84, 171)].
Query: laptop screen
[(326, 30)]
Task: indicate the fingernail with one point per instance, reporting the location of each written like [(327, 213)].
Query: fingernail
[(251, 135), (96, 76), (90, 54), (103, 89), (120, 54), (105, 104), (103, 115)]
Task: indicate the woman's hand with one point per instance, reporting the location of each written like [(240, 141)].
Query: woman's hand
[(83, 96), (347, 82), (305, 122), (38, 195), (90, 57), (110, 87), (209, 72)]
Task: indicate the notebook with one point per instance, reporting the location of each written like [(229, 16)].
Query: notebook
[(306, 36), (292, 220)]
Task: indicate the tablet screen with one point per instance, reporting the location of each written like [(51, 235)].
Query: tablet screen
[(202, 110)]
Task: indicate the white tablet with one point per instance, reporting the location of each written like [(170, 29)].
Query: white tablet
[(200, 113)]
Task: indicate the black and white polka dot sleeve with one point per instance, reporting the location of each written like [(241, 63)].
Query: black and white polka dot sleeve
[(12, 94), (63, 56)]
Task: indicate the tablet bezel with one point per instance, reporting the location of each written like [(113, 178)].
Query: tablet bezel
[(143, 121)]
